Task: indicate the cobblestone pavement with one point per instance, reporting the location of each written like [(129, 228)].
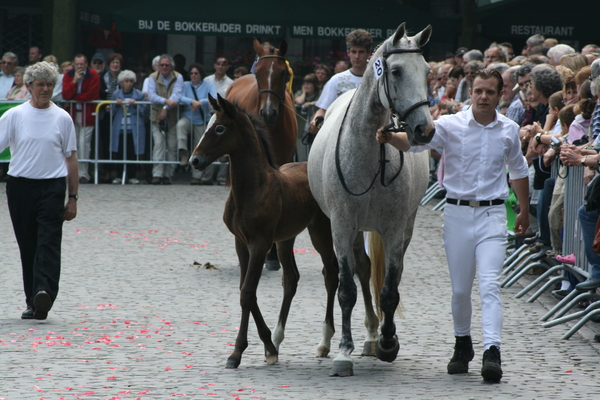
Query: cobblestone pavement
[(140, 317)]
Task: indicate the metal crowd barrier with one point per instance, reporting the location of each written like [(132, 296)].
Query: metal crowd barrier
[(102, 153), (574, 190)]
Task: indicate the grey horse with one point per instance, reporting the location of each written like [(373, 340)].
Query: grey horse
[(353, 189)]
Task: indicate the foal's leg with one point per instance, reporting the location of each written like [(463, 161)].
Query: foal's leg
[(363, 270), (320, 236), (291, 276), (257, 253)]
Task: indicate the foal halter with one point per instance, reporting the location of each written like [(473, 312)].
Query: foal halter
[(279, 96), (391, 127)]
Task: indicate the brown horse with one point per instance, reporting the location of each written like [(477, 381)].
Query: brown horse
[(266, 205), (265, 96)]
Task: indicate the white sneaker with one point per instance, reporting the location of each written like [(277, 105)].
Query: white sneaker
[(117, 181), (134, 181)]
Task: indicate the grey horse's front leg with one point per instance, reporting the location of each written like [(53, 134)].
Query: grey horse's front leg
[(342, 364)]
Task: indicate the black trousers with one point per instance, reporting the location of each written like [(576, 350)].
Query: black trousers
[(37, 212)]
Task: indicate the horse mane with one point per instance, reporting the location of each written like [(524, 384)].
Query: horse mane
[(263, 137)]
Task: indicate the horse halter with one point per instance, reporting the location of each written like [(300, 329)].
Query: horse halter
[(279, 96), (386, 88), (391, 127)]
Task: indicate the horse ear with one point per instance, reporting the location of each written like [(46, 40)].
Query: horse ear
[(423, 37), (227, 107), (400, 33), (283, 48), (257, 46), (214, 103)]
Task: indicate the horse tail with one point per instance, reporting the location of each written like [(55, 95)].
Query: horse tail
[(377, 256)]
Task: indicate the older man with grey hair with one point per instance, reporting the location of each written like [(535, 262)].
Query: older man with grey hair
[(8, 64), (164, 90), (533, 41), (472, 55), (556, 52), (494, 54), (515, 111), (43, 166)]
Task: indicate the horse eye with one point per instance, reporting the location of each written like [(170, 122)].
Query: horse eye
[(219, 130), (396, 71)]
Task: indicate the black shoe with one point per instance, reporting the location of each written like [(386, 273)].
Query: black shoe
[(42, 303), (27, 314), (463, 353), (590, 284), (491, 370), (560, 294)]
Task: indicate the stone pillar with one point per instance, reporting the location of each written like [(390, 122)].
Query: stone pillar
[(64, 14)]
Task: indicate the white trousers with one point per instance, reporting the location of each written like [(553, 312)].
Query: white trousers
[(184, 128), (165, 148), (84, 144), (476, 237)]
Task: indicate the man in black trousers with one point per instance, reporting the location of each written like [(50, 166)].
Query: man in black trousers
[(43, 164)]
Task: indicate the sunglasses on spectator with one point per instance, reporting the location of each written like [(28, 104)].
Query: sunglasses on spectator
[(194, 73), (97, 62), (165, 65)]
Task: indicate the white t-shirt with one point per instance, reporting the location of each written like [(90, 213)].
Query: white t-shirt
[(336, 86), (39, 140), (222, 85)]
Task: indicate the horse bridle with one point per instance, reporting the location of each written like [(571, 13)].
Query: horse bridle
[(260, 92), (391, 127)]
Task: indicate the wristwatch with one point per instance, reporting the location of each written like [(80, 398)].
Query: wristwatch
[(74, 196), (165, 107), (538, 136), (583, 160)]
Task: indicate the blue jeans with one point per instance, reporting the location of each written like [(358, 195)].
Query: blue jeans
[(543, 209), (588, 220)]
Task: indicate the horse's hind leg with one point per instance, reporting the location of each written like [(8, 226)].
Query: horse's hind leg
[(291, 276), (320, 235), (363, 270), (249, 304), (272, 262)]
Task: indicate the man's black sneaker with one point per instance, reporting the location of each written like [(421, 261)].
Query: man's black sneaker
[(463, 353), (491, 370)]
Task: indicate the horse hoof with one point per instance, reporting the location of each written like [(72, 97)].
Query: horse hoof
[(271, 359), (387, 353), (369, 348), (341, 368), (272, 265), (232, 363), (322, 351)]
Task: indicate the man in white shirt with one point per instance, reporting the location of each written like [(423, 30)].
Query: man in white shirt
[(479, 144), (8, 64), (219, 79), (359, 45)]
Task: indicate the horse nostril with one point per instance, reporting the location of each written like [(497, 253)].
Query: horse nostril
[(195, 161)]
